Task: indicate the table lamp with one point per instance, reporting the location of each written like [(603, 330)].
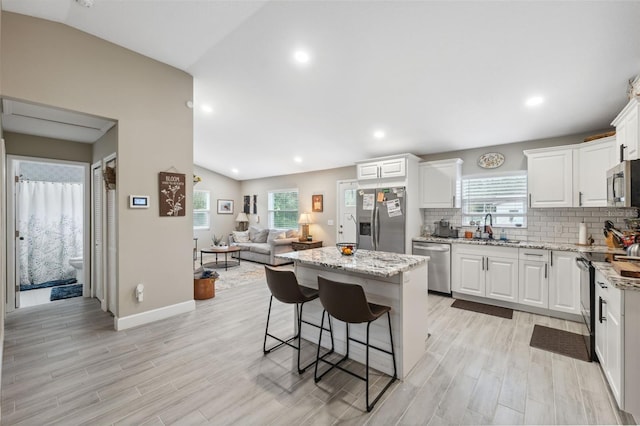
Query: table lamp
[(243, 221), (305, 221)]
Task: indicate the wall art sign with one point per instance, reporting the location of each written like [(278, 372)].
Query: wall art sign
[(255, 204), (316, 203), (247, 204), (172, 194), (225, 206)]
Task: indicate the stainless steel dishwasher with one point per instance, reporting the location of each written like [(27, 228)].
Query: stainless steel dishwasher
[(439, 266)]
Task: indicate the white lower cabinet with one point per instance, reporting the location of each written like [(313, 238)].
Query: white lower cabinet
[(609, 334), (564, 282), (485, 271), (531, 277), (534, 278)]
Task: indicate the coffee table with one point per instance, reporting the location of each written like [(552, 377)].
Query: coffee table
[(220, 250)]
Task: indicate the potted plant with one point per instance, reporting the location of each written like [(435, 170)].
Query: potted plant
[(204, 284)]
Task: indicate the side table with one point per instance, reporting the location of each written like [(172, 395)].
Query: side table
[(305, 245)]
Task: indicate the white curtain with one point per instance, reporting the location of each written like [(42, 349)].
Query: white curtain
[(50, 221)]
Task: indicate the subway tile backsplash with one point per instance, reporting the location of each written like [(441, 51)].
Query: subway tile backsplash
[(548, 225)]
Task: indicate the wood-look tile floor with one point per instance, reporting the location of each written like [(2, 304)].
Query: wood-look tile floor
[(64, 364)]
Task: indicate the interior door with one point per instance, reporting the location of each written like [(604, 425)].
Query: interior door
[(347, 211), (97, 235)]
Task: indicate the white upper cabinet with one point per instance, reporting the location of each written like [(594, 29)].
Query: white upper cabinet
[(550, 177), (440, 183), (383, 169), (627, 131), (592, 160)]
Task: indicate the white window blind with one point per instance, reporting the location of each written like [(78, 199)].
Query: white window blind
[(503, 196), (201, 207), (283, 209)]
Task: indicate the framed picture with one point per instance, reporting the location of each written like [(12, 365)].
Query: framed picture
[(316, 203), (225, 206), (247, 204)]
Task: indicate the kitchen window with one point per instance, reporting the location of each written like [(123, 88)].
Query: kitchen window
[(503, 195), (201, 206), (283, 209)]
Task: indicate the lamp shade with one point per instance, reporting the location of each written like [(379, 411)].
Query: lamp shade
[(305, 219), (242, 217)]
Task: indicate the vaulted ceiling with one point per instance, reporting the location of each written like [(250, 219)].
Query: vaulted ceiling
[(432, 76)]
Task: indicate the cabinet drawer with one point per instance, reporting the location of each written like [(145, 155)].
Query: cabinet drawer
[(612, 296), (489, 251), (533, 254)]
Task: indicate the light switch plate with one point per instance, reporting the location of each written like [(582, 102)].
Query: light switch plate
[(330, 222)]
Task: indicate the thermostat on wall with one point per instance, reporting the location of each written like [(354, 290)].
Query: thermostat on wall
[(138, 201)]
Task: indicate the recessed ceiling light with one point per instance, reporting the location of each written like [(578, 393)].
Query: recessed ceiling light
[(301, 57), (207, 108), (534, 101), (297, 159), (235, 171), (379, 134)]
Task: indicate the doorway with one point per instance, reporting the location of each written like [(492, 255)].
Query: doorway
[(347, 211), (49, 216)]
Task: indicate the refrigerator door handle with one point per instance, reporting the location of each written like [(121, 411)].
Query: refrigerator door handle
[(376, 242), (373, 227)]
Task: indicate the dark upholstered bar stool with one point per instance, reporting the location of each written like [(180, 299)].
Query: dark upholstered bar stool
[(284, 287), (348, 303)]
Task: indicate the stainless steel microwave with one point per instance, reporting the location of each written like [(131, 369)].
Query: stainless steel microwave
[(623, 184)]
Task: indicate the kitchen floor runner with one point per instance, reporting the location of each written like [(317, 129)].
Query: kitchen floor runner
[(560, 342), (496, 311)]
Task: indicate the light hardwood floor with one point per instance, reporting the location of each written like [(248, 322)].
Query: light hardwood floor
[(64, 364)]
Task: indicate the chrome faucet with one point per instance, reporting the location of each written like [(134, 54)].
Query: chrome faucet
[(488, 230)]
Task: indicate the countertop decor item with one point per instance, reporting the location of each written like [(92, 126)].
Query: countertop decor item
[(347, 249), (491, 160)]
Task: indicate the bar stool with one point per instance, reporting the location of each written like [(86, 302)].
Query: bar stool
[(347, 303), (284, 287)]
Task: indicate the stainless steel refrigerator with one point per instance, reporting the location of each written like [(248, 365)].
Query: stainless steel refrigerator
[(381, 218)]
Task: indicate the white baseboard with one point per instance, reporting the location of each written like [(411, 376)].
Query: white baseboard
[(153, 315)]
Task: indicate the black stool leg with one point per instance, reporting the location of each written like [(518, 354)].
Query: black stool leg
[(266, 331), (395, 371)]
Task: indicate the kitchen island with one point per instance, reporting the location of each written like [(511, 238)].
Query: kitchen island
[(391, 279)]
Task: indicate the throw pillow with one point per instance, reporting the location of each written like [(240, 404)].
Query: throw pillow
[(276, 235), (241, 236), (257, 235), (292, 233)]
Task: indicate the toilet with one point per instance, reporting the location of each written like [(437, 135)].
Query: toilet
[(78, 265)]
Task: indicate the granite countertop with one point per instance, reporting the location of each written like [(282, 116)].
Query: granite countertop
[(378, 263), (615, 279), (521, 244)]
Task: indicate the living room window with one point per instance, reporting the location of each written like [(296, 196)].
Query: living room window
[(201, 207), (283, 209), (504, 196)]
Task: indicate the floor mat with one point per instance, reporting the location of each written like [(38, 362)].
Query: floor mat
[(560, 342), (496, 311), (66, 292), (54, 283)]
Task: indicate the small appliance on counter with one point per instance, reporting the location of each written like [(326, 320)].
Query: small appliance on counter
[(441, 228)]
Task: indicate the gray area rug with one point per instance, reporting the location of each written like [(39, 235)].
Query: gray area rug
[(247, 273)]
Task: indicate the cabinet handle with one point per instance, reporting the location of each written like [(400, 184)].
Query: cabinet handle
[(579, 199), (602, 285), (529, 199), (453, 202), (532, 254), (483, 263), (600, 303), (551, 258), (487, 263), (622, 148), (545, 270)]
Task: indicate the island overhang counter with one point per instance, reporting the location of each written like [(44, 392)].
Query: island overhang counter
[(391, 279)]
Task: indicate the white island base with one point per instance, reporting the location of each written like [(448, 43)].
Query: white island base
[(406, 294)]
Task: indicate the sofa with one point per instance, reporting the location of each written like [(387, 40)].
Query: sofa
[(262, 245)]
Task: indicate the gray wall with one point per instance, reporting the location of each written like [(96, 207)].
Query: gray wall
[(37, 146), (220, 188), (319, 182), (47, 63), (514, 158)]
